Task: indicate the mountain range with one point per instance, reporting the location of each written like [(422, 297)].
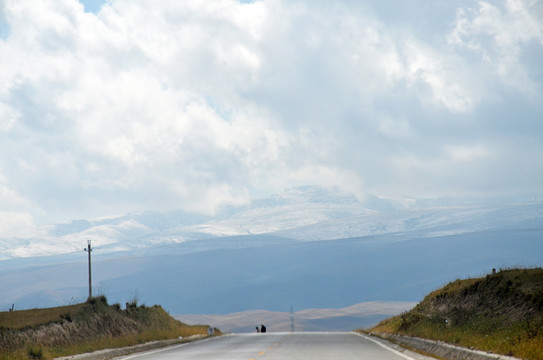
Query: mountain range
[(307, 248), (304, 214), (349, 318)]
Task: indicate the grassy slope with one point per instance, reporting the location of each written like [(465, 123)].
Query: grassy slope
[(68, 330), (501, 312), (25, 318)]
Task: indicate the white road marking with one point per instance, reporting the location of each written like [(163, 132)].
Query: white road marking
[(384, 346), (160, 350)]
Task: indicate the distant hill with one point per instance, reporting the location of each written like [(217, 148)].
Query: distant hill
[(227, 275), (94, 325), (307, 247), (346, 319), (501, 312)]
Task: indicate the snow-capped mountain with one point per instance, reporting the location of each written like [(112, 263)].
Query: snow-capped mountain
[(426, 222), (304, 214), (308, 247), (294, 208)]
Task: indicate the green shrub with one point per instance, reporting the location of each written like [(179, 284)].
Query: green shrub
[(35, 352), (98, 300)]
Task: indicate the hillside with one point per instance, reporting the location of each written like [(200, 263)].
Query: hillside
[(298, 214), (379, 250), (94, 325), (502, 313), (260, 274), (344, 319)]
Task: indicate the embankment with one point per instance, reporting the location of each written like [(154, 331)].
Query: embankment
[(500, 313), (95, 325)]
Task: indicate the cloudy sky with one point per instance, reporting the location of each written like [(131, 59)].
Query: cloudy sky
[(122, 105)]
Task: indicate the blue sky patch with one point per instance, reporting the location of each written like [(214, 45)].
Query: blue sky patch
[(4, 26), (93, 6)]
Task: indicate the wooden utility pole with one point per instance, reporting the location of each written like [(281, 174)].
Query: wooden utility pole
[(291, 319), (89, 250)]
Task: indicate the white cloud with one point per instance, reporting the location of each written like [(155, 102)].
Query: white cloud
[(395, 128), (196, 105), (9, 197), (498, 33), (467, 153), (16, 224), (8, 117)]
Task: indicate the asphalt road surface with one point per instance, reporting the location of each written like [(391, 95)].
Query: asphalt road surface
[(282, 346)]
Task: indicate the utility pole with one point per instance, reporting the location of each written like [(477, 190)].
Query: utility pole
[(291, 319), (89, 250)]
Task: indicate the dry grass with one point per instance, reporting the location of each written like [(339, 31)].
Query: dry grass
[(184, 331), (91, 326), (502, 313), (47, 353), (34, 317), (454, 287)]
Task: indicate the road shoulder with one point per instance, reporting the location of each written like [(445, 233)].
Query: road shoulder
[(397, 349), (440, 349), (107, 354)]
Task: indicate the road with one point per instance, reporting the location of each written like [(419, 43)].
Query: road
[(281, 346)]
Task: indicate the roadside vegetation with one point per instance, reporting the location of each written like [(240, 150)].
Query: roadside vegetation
[(87, 327), (501, 313)]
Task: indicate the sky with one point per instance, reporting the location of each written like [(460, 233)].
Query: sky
[(114, 106)]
